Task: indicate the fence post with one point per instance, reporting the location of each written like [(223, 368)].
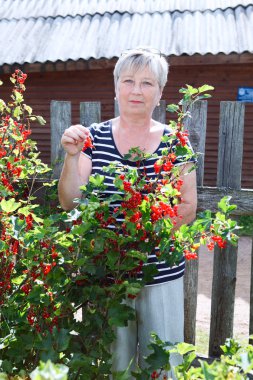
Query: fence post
[(116, 108), (60, 119), (196, 125), (159, 113), (90, 112), (225, 260)]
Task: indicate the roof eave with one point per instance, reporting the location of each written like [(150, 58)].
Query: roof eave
[(103, 63)]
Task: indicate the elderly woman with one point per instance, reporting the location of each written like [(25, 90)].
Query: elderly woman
[(140, 75)]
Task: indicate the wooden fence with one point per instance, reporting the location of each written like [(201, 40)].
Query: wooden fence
[(230, 153)]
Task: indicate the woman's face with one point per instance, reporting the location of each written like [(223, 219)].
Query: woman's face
[(138, 92)]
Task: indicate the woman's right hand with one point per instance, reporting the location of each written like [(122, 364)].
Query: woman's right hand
[(73, 139)]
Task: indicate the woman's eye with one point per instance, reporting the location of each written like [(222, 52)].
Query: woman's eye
[(128, 81), (146, 83)]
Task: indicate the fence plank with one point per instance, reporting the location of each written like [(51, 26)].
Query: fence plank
[(60, 119), (159, 113), (230, 145), (116, 108), (196, 125), (208, 198), (90, 112), (225, 260)]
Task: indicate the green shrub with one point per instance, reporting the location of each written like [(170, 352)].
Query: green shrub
[(246, 224), (54, 264)]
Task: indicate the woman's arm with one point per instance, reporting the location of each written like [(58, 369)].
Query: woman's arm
[(76, 168), (187, 209)]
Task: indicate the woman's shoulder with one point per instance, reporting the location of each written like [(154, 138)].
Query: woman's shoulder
[(165, 128), (100, 128), (168, 130)]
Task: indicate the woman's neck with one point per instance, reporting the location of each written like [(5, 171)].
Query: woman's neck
[(145, 135), (132, 125)]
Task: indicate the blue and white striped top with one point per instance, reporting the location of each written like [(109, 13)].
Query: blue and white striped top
[(105, 151)]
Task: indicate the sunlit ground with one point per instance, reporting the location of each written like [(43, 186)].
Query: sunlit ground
[(241, 314)]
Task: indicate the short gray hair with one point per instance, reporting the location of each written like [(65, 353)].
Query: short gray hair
[(139, 58)]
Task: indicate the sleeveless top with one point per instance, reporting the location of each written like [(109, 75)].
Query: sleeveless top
[(105, 152)]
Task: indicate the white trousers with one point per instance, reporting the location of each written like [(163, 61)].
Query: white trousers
[(159, 309)]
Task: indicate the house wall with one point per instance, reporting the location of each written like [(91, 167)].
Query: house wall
[(226, 79), (97, 85)]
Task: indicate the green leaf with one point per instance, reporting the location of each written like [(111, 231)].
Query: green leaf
[(165, 139), (24, 210), (2, 105), (35, 294), (207, 372), (159, 358), (185, 348), (115, 198), (50, 371), (119, 314), (7, 366), (28, 109), (118, 182), (17, 112), (3, 245), (41, 120), (81, 262), (18, 280), (18, 97), (80, 360), (134, 288), (127, 156), (3, 376), (10, 205), (204, 96), (135, 158), (123, 375), (37, 219), (149, 271), (224, 205), (172, 108), (230, 347), (62, 339), (205, 88), (97, 180), (182, 152), (99, 244), (188, 359), (137, 254), (189, 90)]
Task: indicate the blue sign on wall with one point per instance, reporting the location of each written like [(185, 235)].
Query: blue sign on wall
[(245, 94)]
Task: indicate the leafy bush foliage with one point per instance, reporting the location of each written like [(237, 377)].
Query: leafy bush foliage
[(55, 265)]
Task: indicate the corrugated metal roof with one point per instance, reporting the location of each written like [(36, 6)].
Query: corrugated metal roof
[(51, 30), (52, 8)]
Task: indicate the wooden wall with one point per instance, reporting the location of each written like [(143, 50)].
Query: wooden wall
[(226, 79), (97, 85)]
